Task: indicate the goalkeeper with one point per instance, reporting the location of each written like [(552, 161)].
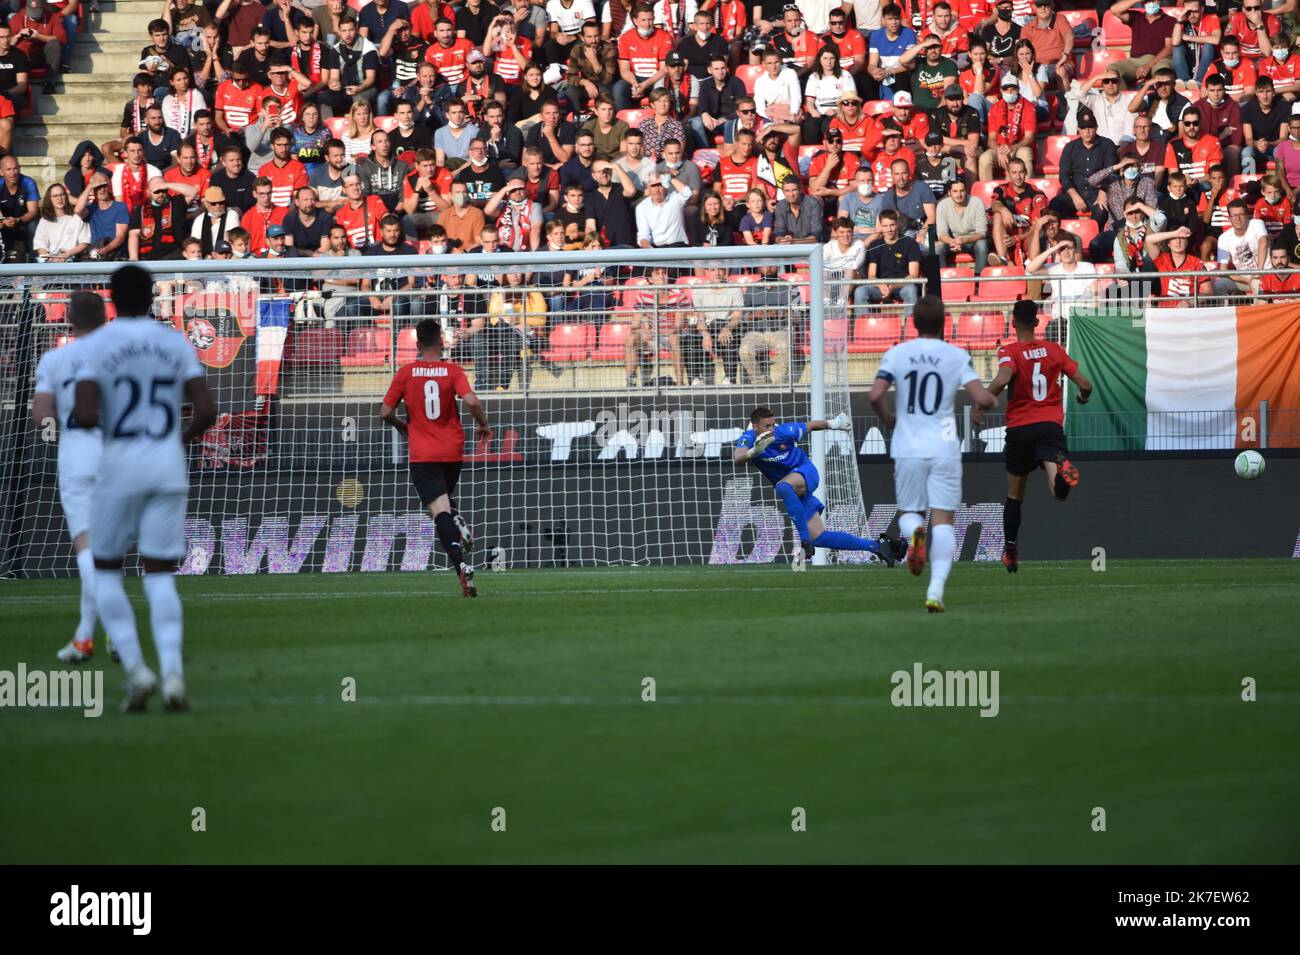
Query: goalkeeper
[(774, 449)]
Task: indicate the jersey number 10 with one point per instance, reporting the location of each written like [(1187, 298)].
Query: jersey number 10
[(920, 395)]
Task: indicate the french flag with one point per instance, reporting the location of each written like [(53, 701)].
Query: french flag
[(273, 317)]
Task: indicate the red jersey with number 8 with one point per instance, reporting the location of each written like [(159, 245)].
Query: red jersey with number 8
[(430, 390), (1035, 393)]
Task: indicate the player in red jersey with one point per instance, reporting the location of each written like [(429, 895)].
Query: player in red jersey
[(436, 441), (1035, 436)]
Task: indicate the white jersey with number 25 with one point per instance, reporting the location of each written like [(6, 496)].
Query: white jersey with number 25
[(926, 374), (142, 367)]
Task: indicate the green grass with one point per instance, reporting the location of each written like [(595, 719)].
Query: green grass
[(1119, 689)]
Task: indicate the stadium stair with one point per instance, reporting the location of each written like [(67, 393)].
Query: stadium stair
[(88, 101)]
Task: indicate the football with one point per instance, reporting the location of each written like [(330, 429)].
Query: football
[(1249, 465)]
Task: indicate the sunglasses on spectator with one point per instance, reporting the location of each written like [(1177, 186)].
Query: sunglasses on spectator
[(160, 192), (1110, 79), (1191, 122), (745, 112)]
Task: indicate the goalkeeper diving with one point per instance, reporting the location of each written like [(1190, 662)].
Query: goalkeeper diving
[(774, 449)]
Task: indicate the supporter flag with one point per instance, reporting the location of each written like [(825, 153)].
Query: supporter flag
[(273, 315), (1169, 379)]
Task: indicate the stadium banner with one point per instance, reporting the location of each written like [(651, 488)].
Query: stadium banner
[(1166, 374)]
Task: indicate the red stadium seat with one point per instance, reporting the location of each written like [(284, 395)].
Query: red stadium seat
[(631, 290), (367, 347), (571, 342), (1085, 229), (386, 123), (408, 349), (749, 75), (836, 331), (633, 117), (691, 280), (956, 284), (979, 330), (1116, 32), (613, 341), (878, 107), (982, 192), (1076, 17), (315, 348), (875, 335), (1000, 291), (745, 278), (1049, 187), (1049, 154), (1094, 63), (337, 125)]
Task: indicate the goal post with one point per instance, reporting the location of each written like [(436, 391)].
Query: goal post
[(617, 382)]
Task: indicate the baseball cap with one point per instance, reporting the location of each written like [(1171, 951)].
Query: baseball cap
[(674, 59), (475, 56), (1009, 80), (214, 194), (934, 139), (954, 91), (902, 98), (223, 247), (275, 231), (834, 132)]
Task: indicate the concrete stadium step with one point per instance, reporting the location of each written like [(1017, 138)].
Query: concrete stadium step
[(79, 107), (37, 144), (103, 79)]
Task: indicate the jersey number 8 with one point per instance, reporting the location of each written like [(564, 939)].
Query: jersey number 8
[(432, 401)]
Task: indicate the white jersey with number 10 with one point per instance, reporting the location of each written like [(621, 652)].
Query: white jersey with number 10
[(927, 374), (142, 367)]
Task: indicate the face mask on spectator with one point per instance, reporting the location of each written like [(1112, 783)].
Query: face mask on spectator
[(1011, 97), (438, 249), (864, 189), (458, 199), (1152, 9), (1281, 54), (1231, 63), (1004, 14), (1131, 173), (672, 165), (1274, 200), (703, 34), (649, 32)]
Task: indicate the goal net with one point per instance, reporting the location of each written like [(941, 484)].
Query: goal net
[(616, 382)]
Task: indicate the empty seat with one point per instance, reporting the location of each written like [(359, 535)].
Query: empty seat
[(612, 342), (1006, 291), (1085, 229), (979, 330), (875, 334), (367, 347), (957, 284), (571, 342)]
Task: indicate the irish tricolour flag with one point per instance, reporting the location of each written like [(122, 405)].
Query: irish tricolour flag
[(1170, 379)]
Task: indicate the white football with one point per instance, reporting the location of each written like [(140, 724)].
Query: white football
[(1249, 465)]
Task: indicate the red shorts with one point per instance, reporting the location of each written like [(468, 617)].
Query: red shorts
[(6, 107)]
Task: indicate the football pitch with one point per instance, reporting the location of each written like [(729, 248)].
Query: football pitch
[(1118, 690)]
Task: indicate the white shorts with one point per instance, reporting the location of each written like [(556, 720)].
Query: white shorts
[(76, 497), (923, 483), (154, 520)]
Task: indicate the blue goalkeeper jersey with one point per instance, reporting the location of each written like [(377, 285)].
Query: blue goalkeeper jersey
[(781, 456)]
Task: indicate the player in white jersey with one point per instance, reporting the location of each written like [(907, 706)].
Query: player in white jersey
[(79, 448), (134, 375), (927, 373)]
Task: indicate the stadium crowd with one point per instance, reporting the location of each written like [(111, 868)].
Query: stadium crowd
[(923, 142)]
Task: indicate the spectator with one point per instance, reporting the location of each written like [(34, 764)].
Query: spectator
[(962, 227), (359, 214), (777, 160), (461, 220), (60, 236), (1180, 209), (577, 170), (639, 167), (163, 55), (593, 298), (1001, 33), (1101, 96), (1052, 39), (1287, 155), (822, 90), (718, 305), (1283, 67), (856, 205), (713, 227), (381, 172), (361, 126), (593, 66), (311, 61), (133, 113), (702, 45), (606, 130), (258, 58), (186, 20), (474, 17), (481, 177), (1221, 115), (310, 138), (160, 141), (187, 170), (776, 91), (1012, 124), (1194, 152), (1243, 246), (1025, 70), (1080, 159), (376, 18), (1121, 181), (543, 183), (40, 34), (756, 223), (180, 105), (673, 163), (611, 211), (843, 258), (572, 217), (391, 306), (1195, 38), (523, 111), (131, 178), (1238, 74), (14, 93), (911, 122), (519, 219), (934, 168), (1177, 289), (215, 222), (306, 227), (641, 52), (107, 218), (327, 179), (158, 225), (261, 216), (797, 44), (885, 49), (932, 72), (798, 218), (1273, 207), (1262, 122), (831, 171), (895, 256), (1152, 46), (241, 17), (448, 53), (355, 63), (1140, 220), (1283, 280), (425, 95), (1073, 282), (284, 87), (87, 159), (478, 88), (851, 45), (1016, 206), (660, 127), (212, 59), (237, 100), (553, 135), (1253, 27), (979, 81), (766, 328), (420, 200), (959, 129), (1159, 100), (913, 202), (660, 219), (719, 97), (234, 180)]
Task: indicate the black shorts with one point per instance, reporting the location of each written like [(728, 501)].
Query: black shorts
[(1031, 444), (433, 479)]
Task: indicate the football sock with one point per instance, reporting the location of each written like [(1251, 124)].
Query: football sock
[(1062, 489), (908, 522), (118, 618), (449, 537), (86, 570), (943, 544), (1011, 521), (839, 540), (165, 619), (794, 507)]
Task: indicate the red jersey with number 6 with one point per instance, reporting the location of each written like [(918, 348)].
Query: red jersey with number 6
[(1035, 392), (430, 390)]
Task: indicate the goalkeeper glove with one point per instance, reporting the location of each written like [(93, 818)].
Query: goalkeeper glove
[(760, 444), (841, 422)]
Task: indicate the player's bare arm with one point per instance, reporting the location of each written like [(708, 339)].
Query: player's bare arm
[(877, 398), (1084, 385), (482, 430), (204, 414), (42, 409), (983, 397), (389, 416), (1001, 381)]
